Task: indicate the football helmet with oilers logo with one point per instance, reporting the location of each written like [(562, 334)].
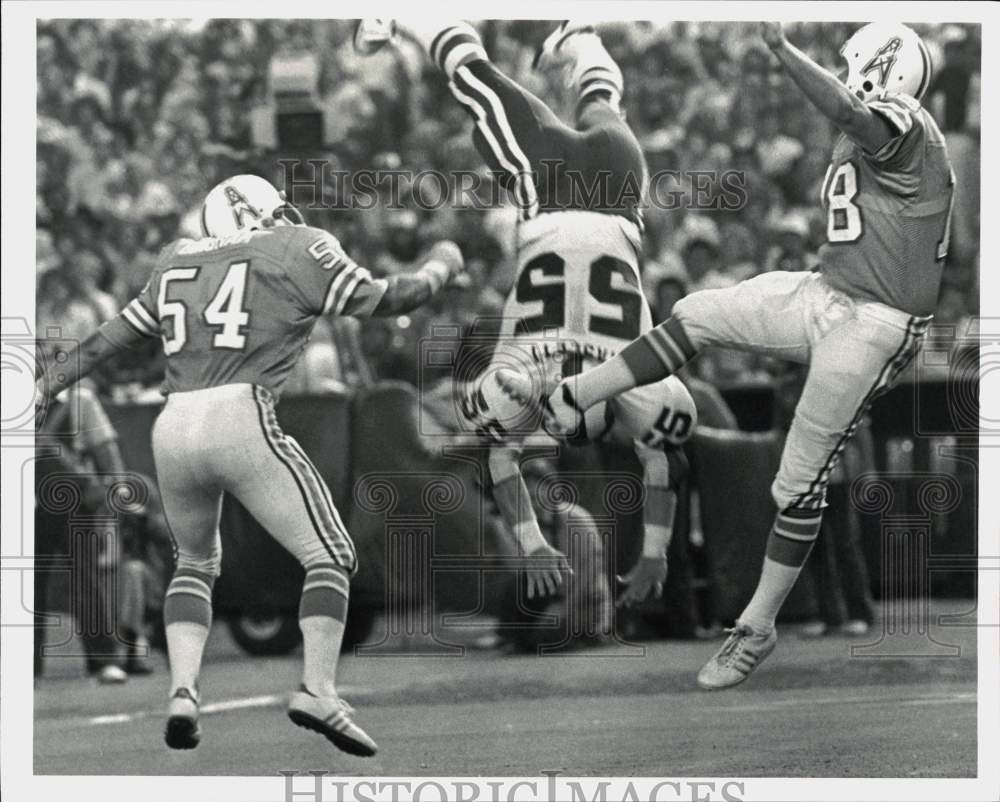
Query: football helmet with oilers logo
[(886, 57), (245, 203)]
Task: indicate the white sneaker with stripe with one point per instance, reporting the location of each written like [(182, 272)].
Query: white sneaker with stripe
[(331, 717), (742, 652), (182, 731)]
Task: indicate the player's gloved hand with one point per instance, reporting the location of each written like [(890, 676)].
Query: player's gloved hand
[(371, 35), (773, 34), (647, 576), (545, 573), (562, 416), (449, 254)]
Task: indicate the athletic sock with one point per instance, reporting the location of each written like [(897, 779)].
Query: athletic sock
[(654, 356), (187, 616), (595, 75), (788, 545), (449, 44), (322, 613)]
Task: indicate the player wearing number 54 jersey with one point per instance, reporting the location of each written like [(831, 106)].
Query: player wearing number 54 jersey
[(234, 311), (857, 321)]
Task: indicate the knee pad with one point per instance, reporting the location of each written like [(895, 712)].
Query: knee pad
[(787, 494), (210, 565), (315, 553)]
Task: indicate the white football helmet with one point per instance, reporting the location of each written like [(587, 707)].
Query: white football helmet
[(886, 56), (245, 203)]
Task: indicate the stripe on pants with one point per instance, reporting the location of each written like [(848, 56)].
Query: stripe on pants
[(813, 497), (331, 507), (495, 126), (325, 522)]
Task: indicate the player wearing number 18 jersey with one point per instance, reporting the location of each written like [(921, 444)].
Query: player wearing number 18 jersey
[(234, 311), (857, 321), (888, 212)]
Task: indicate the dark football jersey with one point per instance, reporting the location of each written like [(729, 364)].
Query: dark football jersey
[(241, 309), (888, 213)]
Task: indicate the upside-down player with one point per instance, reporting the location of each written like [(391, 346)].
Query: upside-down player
[(234, 310), (577, 297), (857, 321)]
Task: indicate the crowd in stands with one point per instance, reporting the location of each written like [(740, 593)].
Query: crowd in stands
[(137, 119)]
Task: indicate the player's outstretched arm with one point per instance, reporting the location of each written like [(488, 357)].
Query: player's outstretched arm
[(547, 563), (649, 573), (407, 291), (109, 340), (827, 93)]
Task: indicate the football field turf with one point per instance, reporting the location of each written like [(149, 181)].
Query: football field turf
[(812, 710)]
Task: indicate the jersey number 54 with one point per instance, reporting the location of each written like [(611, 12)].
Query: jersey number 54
[(224, 313)]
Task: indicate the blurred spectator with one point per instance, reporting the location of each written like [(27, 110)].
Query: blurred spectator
[(146, 568), (790, 250), (88, 454)]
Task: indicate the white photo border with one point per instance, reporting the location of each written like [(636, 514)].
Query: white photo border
[(17, 241)]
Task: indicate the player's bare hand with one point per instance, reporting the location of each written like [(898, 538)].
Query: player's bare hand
[(547, 565), (646, 578), (562, 415), (450, 255), (773, 34)]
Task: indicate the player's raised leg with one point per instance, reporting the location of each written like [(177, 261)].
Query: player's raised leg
[(192, 504), (281, 488), (850, 366), (761, 314), (591, 73), (516, 133)]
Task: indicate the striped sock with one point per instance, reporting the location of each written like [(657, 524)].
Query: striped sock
[(325, 592), (451, 46), (189, 598), (187, 614), (792, 536), (654, 356), (322, 613), (595, 73), (788, 545)]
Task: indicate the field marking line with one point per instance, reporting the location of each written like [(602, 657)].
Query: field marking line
[(270, 700), (213, 708)]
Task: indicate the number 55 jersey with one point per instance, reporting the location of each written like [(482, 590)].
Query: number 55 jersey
[(577, 285), (888, 213), (241, 309), (577, 301)]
